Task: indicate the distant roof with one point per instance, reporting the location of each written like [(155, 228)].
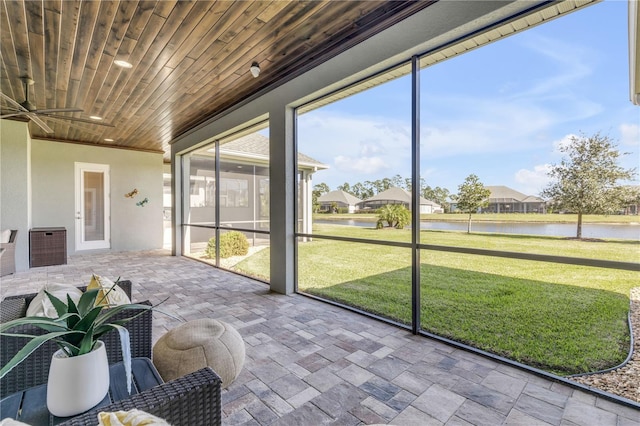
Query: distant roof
[(502, 193), (425, 202), (533, 199), (256, 146), (399, 194), (339, 196)]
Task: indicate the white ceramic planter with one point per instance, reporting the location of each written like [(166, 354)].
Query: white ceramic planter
[(78, 383)]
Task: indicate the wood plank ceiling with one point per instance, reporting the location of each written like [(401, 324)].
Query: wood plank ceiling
[(190, 59)]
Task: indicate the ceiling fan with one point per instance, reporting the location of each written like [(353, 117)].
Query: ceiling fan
[(27, 109)]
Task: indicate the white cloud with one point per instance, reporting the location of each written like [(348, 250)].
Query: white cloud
[(572, 63), (562, 70), (351, 132), (360, 165), (533, 181), (368, 149), (464, 124), (630, 134), (483, 125), (562, 143), (356, 147), (359, 147)]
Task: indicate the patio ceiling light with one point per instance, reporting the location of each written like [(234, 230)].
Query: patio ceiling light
[(123, 64), (255, 69)]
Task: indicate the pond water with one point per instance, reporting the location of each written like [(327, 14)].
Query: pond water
[(596, 230)]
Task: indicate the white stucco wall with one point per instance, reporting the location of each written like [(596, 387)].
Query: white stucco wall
[(53, 182), (15, 186)]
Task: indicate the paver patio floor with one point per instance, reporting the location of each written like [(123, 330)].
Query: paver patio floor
[(310, 363)]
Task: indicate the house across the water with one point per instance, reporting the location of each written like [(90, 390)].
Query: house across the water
[(396, 195), (506, 200)]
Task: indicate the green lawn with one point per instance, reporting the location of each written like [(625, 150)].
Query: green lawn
[(562, 318)]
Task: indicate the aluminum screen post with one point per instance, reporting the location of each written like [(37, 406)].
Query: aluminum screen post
[(283, 199), (415, 194)]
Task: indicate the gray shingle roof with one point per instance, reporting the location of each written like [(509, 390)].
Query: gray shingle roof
[(533, 199), (399, 194), (257, 146), (503, 193), (339, 196)]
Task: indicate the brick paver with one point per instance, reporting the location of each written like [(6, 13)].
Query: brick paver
[(310, 363)]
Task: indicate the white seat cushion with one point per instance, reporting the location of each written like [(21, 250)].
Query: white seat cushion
[(41, 306), (115, 297)]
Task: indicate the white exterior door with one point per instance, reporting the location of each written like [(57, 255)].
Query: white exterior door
[(92, 215)]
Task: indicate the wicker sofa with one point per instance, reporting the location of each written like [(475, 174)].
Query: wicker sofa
[(191, 400), (8, 256)]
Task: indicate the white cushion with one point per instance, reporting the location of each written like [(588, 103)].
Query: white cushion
[(41, 306), (115, 297), (5, 235), (132, 417), (11, 422)]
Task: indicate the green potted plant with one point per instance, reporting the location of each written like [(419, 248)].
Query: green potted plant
[(79, 374)]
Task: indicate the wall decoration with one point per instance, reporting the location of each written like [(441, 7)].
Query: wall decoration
[(132, 193), (143, 202)]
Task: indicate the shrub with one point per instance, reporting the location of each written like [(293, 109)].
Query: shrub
[(396, 215), (233, 243)]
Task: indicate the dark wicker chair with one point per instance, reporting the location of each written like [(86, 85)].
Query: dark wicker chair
[(191, 400), (35, 369)]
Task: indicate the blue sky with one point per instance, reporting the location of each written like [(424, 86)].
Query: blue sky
[(499, 112)]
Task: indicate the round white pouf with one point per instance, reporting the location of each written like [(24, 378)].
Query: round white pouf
[(197, 344)]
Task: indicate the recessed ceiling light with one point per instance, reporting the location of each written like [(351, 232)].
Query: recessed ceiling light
[(123, 64), (108, 140), (95, 117)]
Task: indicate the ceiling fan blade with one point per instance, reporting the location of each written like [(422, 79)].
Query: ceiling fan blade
[(40, 123), (81, 120), (12, 114), (30, 111), (50, 110), (84, 127), (13, 103)]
